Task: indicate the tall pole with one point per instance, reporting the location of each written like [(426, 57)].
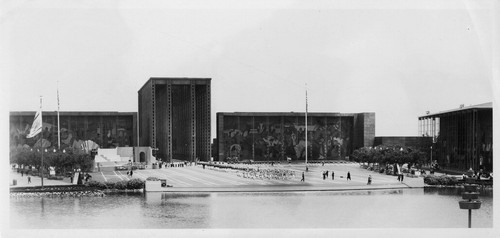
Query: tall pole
[(41, 141), (470, 220), (306, 126), (340, 144), (58, 121), (431, 154)]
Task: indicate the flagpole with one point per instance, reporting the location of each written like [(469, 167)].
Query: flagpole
[(58, 121), (41, 141), (306, 126)]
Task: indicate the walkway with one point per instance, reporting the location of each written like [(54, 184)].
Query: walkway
[(22, 181), (196, 179)]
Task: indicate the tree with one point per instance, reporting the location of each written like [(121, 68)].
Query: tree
[(61, 161), (389, 155)]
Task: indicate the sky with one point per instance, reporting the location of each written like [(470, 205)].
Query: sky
[(397, 59)]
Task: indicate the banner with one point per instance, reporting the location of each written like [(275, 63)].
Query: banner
[(75, 178)]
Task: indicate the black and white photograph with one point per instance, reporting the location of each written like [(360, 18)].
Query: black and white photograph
[(245, 118)]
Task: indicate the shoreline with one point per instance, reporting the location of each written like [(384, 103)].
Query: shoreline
[(28, 191)]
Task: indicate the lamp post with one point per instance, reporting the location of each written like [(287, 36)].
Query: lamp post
[(471, 195), (431, 155)]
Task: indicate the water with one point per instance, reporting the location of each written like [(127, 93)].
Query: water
[(405, 208)]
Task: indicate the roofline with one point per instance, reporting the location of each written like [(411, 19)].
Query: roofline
[(74, 113), (482, 106), (289, 113), (171, 78)]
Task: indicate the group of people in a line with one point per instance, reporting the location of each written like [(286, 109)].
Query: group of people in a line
[(174, 165), (326, 174)]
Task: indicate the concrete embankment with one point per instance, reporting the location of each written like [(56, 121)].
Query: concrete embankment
[(409, 184), (55, 191)]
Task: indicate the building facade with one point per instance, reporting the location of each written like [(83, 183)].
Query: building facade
[(462, 138), (106, 129), (174, 117), (261, 136)]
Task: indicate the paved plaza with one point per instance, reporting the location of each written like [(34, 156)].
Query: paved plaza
[(195, 178)]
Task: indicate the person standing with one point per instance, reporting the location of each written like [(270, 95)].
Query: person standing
[(324, 173), (348, 175), (131, 173), (333, 175), (402, 177), (369, 180), (327, 174), (29, 179)]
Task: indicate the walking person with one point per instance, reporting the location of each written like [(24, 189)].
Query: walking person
[(333, 175), (327, 174), (348, 175), (369, 180), (29, 179), (303, 178), (402, 177), (324, 173), (399, 177), (131, 173)]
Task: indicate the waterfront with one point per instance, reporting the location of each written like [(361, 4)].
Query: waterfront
[(393, 208)]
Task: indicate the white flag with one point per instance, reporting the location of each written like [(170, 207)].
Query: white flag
[(37, 125)]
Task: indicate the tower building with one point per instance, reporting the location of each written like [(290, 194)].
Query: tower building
[(174, 118)]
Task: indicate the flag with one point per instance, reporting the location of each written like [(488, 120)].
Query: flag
[(37, 124)]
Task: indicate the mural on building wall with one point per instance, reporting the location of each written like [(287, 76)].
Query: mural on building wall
[(73, 135), (270, 138)]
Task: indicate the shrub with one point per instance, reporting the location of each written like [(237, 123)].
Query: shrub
[(152, 179), (110, 185), (446, 180), (121, 185), (440, 180), (96, 184), (431, 180), (135, 184)]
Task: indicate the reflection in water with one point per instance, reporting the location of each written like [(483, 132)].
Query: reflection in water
[(42, 206), (487, 192), (402, 208)]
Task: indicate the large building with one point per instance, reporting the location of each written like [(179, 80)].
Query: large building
[(261, 136), (462, 138), (174, 117), (107, 129)]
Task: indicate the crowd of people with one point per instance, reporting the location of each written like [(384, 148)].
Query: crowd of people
[(269, 173), (478, 175)]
